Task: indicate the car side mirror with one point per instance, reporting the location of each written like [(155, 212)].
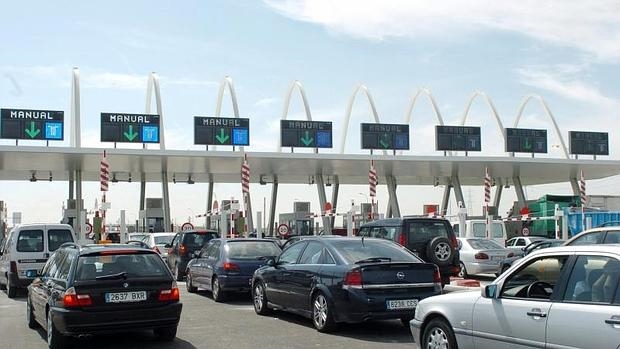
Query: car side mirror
[(490, 291), (271, 262)]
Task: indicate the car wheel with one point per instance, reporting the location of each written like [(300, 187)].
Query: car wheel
[(463, 272), (322, 317), (438, 334), (189, 285), (260, 299), (11, 291), (166, 333), (177, 273), (439, 251), (216, 290), (32, 323), (55, 339)]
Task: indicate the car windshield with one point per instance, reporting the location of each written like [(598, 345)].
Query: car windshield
[(99, 267), (251, 249), (354, 251), (162, 240), (483, 244)]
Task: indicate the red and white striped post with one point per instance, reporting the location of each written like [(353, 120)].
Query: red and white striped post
[(584, 199), (245, 185), (104, 177), (487, 199), (372, 182)]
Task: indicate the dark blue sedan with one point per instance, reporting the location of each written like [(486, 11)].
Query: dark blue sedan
[(339, 279), (227, 265)]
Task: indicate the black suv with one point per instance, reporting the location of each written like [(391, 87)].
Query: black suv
[(432, 239), (98, 289), (181, 249)]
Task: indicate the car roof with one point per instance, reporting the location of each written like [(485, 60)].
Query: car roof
[(225, 240), (94, 248), (398, 221), (610, 248), (169, 233)]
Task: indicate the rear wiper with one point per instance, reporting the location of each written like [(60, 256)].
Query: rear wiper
[(374, 260), (121, 275)]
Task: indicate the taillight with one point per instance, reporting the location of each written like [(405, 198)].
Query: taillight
[(437, 276), (182, 250), (510, 255), (171, 295), (481, 255), (231, 267), (71, 299), (353, 278), (402, 239), (13, 267)]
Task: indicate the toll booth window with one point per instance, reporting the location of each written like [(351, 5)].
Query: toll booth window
[(30, 241), (57, 237)]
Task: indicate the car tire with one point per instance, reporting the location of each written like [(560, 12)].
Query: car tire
[(11, 291), (259, 298), (439, 251), (30, 320), (463, 272), (189, 285), (322, 317), (216, 290), (166, 334), (177, 273), (438, 334), (55, 339)]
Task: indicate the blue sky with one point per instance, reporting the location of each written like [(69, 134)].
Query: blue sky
[(564, 51)]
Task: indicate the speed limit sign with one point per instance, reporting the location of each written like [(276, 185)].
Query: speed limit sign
[(187, 226), (525, 231), (283, 229)]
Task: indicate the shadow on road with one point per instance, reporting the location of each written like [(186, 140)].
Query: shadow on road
[(126, 340)]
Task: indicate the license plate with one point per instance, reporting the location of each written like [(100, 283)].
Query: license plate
[(496, 258), (125, 297), (402, 304)]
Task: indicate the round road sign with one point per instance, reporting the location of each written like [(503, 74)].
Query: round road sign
[(187, 226), (89, 228), (283, 229), (525, 231)]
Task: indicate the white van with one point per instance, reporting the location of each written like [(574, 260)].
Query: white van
[(477, 228), (27, 247)]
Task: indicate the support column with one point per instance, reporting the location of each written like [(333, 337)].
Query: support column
[(446, 199), (335, 189), (498, 196), (166, 194), (574, 183), (458, 191), (142, 192), (272, 208), (320, 186), (393, 201), (519, 191), (78, 204), (209, 204)]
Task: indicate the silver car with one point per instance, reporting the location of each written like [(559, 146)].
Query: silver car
[(481, 256), (560, 297)]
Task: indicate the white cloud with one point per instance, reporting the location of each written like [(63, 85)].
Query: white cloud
[(113, 81), (591, 26), (265, 102)]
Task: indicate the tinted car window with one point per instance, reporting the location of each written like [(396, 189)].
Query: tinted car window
[(251, 249), (484, 244), (30, 241), (214, 249), (57, 237), (544, 269), (356, 250), (50, 265), (194, 240), (134, 265), (520, 242), (612, 237), (312, 253), (420, 231), (380, 232), (65, 266), (290, 255), (589, 239)]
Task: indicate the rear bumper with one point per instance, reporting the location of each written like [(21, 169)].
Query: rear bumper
[(415, 327), (482, 268), (80, 322), (240, 283)]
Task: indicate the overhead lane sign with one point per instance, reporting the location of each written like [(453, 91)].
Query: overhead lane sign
[(32, 124), (306, 134), (457, 138), (221, 131), (589, 143), (385, 136), (525, 140), (130, 128)]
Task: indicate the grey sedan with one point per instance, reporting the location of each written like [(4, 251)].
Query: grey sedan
[(481, 256), (560, 297)]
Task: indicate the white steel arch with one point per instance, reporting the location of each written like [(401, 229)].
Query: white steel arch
[(545, 107), (287, 104), (493, 111), (412, 102), (153, 84), (76, 133), (359, 87), (227, 82)]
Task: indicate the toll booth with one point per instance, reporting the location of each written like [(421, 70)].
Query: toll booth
[(300, 221), (152, 218), (70, 214), (229, 220)]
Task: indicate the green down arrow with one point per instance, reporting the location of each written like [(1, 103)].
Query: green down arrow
[(32, 132), (131, 135), (307, 140), (384, 141), (527, 144), (222, 137)]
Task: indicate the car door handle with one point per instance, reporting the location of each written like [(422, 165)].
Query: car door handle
[(536, 313), (615, 320)]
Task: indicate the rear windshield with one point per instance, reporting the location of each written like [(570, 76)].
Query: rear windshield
[(481, 244), (426, 230), (357, 250), (198, 239), (162, 240), (251, 249), (134, 265), (57, 237), (30, 241)]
